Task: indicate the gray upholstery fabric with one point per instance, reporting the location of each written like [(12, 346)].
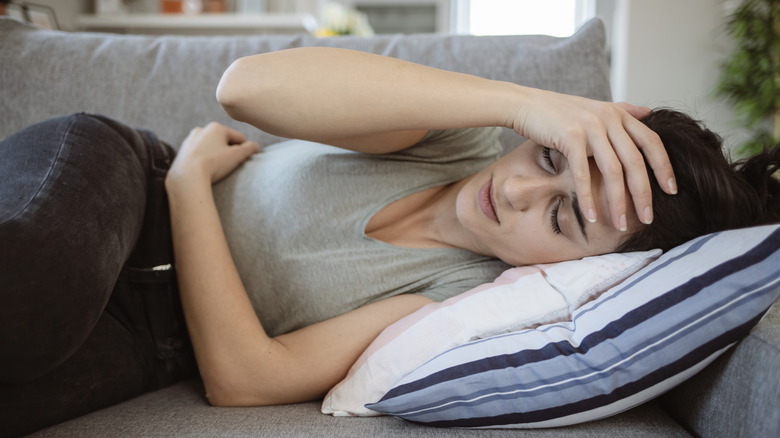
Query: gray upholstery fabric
[(181, 411), (738, 394), (167, 84)]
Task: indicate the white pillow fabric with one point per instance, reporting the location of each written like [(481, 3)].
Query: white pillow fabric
[(520, 298)]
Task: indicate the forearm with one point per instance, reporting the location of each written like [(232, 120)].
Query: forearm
[(321, 93), (220, 318)]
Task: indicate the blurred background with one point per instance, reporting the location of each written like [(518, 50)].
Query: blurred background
[(661, 52)]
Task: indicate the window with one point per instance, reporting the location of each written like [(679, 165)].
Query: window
[(514, 17)]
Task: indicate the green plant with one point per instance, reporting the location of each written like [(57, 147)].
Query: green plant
[(750, 78)]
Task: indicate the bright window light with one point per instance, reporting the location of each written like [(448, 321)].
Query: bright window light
[(523, 17)]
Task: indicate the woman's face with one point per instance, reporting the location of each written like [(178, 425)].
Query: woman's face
[(523, 209)]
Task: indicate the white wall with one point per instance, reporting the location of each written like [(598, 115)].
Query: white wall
[(67, 11), (668, 53)]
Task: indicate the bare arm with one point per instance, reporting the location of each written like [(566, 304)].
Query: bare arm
[(378, 104), (241, 365), (347, 97)]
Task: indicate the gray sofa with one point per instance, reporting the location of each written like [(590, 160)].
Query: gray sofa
[(167, 84)]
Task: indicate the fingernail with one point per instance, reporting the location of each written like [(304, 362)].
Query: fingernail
[(623, 223), (648, 216), (591, 215), (671, 183)]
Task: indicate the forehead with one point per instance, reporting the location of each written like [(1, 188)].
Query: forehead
[(603, 233)]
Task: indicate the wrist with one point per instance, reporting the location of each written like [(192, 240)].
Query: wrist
[(513, 105), (180, 180)]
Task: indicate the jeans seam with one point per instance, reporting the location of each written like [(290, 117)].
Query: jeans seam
[(67, 133)]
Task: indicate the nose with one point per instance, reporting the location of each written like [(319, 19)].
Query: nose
[(524, 192)]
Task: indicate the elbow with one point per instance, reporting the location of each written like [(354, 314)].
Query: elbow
[(220, 399), (257, 90), (231, 389), (226, 394), (246, 88), (225, 386), (219, 392), (223, 399), (229, 89)]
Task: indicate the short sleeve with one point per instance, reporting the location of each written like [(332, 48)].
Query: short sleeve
[(454, 145)]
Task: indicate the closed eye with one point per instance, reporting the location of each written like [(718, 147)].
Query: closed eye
[(548, 159), (556, 227)]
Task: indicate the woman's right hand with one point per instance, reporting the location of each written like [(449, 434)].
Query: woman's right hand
[(211, 153), (612, 134)]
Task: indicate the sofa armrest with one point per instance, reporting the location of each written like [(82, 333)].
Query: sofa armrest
[(738, 395)]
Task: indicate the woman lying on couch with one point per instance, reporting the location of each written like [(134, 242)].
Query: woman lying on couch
[(289, 267), (538, 204)]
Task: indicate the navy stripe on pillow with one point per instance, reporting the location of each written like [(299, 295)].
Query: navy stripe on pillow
[(597, 401)]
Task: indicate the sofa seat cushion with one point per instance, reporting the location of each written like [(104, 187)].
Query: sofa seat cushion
[(182, 411)]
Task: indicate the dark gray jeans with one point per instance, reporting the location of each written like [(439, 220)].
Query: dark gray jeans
[(136, 339)]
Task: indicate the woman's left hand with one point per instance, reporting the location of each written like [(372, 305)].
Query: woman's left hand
[(211, 153)]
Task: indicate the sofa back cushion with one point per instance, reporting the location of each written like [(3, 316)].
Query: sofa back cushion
[(167, 84)]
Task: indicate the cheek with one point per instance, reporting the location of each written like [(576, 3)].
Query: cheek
[(535, 245), (529, 245)]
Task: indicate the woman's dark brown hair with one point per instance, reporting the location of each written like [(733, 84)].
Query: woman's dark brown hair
[(713, 195)]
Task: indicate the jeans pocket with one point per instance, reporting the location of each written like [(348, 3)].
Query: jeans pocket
[(146, 297), (146, 302)]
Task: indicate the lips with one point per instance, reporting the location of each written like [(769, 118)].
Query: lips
[(486, 202)]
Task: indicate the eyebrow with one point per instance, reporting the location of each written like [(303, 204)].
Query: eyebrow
[(575, 205)]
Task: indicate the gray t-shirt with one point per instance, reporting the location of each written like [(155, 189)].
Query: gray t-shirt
[(295, 215)]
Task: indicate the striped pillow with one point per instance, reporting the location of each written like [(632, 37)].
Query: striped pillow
[(539, 294), (634, 342)]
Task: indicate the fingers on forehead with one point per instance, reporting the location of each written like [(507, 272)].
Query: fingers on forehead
[(654, 152), (580, 169), (636, 178)]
